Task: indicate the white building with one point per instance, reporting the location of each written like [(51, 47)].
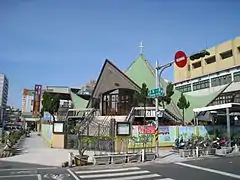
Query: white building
[(27, 101)]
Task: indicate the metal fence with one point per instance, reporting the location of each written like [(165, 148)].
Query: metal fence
[(102, 133)]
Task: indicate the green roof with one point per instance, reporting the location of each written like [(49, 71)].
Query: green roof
[(141, 71), (198, 102), (78, 102)]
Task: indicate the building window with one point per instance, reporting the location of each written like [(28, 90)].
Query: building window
[(201, 85), (236, 76), (226, 54), (238, 49), (189, 67), (184, 88), (196, 65), (232, 97), (210, 60), (221, 80)]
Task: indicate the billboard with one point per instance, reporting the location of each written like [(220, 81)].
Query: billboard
[(37, 99)]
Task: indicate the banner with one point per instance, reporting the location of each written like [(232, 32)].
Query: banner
[(37, 99), (166, 134)]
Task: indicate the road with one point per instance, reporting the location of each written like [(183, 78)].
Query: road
[(220, 168), (25, 171)]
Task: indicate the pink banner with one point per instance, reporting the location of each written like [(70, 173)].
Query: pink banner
[(146, 129)]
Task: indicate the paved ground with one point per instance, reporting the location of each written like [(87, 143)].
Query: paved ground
[(35, 151), (119, 173), (41, 162), (208, 169), (25, 171), (220, 168)]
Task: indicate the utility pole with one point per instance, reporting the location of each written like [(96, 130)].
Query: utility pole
[(180, 61), (156, 106), (158, 85)]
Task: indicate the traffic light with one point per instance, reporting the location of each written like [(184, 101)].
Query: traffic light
[(199, 55)]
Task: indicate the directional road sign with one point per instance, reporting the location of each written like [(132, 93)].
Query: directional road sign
[(156, 92)]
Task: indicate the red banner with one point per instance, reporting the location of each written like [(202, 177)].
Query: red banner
[(146, 129)]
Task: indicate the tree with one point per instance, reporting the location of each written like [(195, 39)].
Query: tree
[(50, 103), (167, 97), (141, 97), (183, 104)]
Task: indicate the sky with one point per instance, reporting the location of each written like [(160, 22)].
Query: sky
[(65, 42)]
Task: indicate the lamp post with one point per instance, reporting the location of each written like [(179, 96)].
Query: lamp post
[(158, 84), (180, 61)]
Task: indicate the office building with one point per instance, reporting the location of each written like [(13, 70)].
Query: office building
[(3, 95), (211, 73)]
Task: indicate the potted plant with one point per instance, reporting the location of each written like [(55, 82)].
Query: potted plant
[(83, 145)]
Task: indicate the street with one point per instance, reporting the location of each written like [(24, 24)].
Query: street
[(221, 169), (24, 171)]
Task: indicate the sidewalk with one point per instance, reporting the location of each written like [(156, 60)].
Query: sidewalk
[(37, 152)]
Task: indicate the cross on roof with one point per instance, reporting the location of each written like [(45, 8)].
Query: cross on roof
[(141, 47)]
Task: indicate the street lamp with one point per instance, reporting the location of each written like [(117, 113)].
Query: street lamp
[(158, 78), (158, 75)]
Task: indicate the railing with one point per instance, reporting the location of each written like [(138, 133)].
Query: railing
[(150, 111), (105, 124), (86, 121), (78, 113), (129, 117)]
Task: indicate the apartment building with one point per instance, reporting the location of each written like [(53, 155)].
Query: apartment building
[(210, 73), (3, 96), (27, 100)]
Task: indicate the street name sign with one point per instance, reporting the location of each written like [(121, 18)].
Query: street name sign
[(155, 92)]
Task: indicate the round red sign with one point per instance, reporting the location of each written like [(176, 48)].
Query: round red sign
[(180, 59)]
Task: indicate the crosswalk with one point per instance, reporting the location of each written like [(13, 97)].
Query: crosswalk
[(130, 173)]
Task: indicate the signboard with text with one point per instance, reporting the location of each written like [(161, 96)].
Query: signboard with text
[(37, 99), (155, 92)]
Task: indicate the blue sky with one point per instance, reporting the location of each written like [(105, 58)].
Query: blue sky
[(65, 42)]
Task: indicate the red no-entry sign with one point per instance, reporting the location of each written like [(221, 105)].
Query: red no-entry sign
[(180, 59)]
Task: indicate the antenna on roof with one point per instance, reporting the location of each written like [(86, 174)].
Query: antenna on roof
[(141, 47)]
